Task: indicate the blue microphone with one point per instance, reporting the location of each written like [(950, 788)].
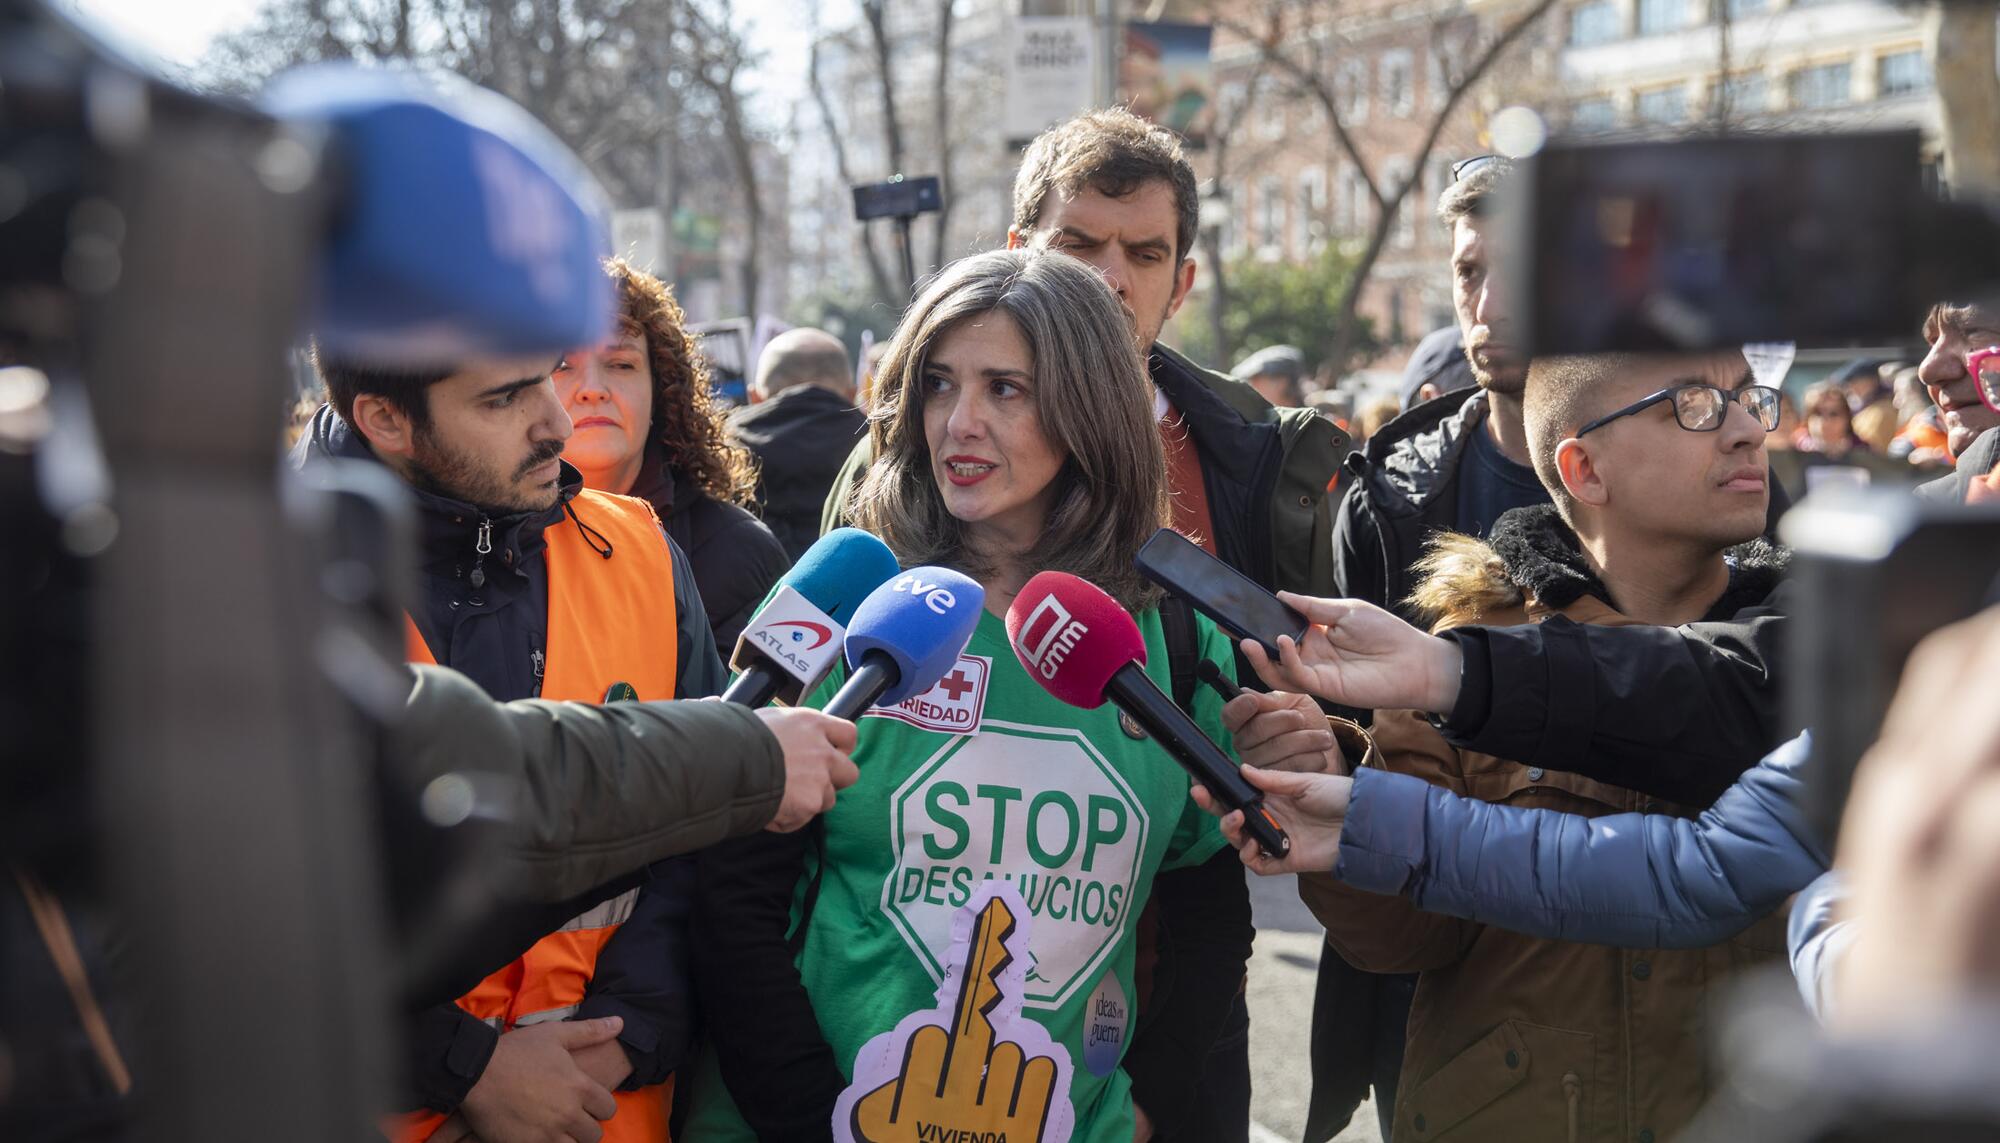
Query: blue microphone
[(796, 637), (462, 226), (905, 636)]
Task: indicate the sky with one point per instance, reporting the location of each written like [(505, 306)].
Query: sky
[(177, 32)]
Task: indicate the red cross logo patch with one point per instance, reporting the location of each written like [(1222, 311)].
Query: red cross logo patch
[(953, 706)]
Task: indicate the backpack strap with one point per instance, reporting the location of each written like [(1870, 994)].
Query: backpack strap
[(1183, 649)]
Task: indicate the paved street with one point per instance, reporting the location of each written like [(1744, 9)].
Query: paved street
[(1281, 988)]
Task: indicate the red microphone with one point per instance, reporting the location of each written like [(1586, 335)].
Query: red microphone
[(1083, 648)]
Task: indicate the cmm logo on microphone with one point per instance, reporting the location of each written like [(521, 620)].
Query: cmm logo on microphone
[(1048, 636)]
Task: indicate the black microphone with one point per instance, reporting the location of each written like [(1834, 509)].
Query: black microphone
[(1084, 649)]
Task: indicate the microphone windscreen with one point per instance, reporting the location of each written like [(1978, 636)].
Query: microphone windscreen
[(922, 619), (465, 227), (1072, 637), (839, 571)]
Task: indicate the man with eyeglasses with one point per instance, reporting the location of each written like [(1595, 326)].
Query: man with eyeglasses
[(1660, 489)]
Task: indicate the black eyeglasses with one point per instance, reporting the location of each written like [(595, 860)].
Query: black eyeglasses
[(1700, 408), (1466, 168)]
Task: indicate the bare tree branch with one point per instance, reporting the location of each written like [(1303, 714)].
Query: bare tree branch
[(875, 14), (941, 110), (1311, 78), (1222, 146), (878, 274)]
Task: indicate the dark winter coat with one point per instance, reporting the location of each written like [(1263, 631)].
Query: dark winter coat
[(800, 437), (1402, 487)]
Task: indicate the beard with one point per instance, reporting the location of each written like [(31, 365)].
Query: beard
[(476, 479), (1507, 376), (1146, 334)]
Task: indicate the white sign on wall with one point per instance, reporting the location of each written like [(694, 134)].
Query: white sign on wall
[(640, 237), (1049, 72)]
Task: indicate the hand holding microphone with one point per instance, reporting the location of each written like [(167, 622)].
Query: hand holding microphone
[(1311, 808), (1084, 649), (816, 747)]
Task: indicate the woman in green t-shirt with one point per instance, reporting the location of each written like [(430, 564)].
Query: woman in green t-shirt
[(1013, 433)]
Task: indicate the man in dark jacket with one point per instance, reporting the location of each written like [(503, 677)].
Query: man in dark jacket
[(480, 447), (1457, 462), (1454, 463), (801, 424), (1248, 480)]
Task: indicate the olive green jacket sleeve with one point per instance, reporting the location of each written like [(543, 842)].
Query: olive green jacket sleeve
[(590, 793), (834, 515)]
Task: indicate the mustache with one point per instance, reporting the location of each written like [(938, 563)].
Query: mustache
[(544, 453)]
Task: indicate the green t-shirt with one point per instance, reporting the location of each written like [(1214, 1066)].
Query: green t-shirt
[(988, 775)]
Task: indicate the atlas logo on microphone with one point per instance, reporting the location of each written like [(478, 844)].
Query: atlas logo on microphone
[(1048, 636), (798, 637), (935, 596), (819, 633)]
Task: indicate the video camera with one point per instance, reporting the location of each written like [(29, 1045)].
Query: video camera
[(1823, 240), (1875, 570), (197, 647)]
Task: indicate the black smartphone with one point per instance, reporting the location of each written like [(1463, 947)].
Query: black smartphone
[(1235, 601)]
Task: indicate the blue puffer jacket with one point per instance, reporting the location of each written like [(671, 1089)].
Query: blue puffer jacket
[(1633, 880)]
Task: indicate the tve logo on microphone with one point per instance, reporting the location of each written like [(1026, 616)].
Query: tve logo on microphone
[(1048, 636), (937, 597)]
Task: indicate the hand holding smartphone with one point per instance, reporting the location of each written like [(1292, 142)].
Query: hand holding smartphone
[(1233, 600)]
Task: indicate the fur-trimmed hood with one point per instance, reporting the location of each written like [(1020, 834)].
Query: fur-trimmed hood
[(1533, 562)]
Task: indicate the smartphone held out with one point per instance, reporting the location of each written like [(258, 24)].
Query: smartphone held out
[(1233, 600)]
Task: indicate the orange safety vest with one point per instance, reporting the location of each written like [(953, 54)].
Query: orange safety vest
[(605, 623)]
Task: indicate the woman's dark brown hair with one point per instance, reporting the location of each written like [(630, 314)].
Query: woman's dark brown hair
[(686, 421), (1091, 396)]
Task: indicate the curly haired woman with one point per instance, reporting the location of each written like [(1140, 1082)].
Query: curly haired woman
[(647, 426)]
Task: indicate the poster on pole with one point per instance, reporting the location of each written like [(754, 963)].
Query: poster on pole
[(1164, 75), (640, 237), (1049, 72)]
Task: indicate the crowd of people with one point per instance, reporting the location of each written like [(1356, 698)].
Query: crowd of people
[(1871, 418), (1528, 747)]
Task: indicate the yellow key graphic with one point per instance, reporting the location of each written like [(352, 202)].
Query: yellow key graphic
[(964, 1083)]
